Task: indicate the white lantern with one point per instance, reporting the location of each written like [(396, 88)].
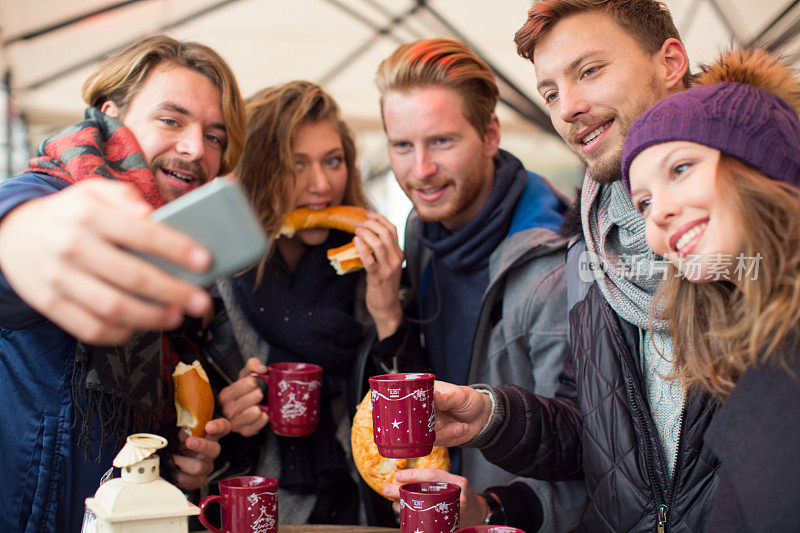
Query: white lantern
[(140, 501)]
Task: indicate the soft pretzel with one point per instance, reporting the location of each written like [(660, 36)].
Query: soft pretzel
[(376, 470), (341, 217), (194, 401), (345, 258)]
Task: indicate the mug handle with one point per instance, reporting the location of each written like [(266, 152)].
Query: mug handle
[(263, 386), (202, 516)]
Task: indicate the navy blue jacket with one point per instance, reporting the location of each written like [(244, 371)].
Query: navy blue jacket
[(46, 478)]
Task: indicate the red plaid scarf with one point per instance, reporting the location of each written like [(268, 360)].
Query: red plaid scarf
[(98, 147)]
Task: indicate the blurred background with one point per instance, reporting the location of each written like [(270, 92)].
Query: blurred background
[(48, 47)]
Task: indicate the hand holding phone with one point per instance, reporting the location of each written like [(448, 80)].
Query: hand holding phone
[(218, 217)]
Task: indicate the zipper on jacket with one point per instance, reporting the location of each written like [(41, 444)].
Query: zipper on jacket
[(657, 489), (663, 493), (676, 456), (675, 472), (662, 517)]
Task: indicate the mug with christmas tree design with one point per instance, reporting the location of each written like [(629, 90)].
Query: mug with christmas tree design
[(293, 391)]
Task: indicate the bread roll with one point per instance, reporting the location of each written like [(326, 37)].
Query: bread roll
[(194, 400)]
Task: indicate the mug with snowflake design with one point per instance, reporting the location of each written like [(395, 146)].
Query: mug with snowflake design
[(429, 507), (403, 419)]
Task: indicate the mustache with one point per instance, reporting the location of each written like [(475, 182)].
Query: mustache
[(578, 126), (179, 164), (409, 185)]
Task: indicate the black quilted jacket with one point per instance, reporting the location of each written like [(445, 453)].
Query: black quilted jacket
[(599, 427)]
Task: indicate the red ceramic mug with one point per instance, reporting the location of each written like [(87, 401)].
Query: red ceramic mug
[(403, 420), (490, 529), (293, 391), (249, 503), (429, 507)]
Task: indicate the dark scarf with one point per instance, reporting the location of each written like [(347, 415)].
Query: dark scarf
[(461, 271), (113, 387), (307, 317), (469, 248)]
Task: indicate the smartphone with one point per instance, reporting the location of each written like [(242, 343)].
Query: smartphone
[(218, 217)]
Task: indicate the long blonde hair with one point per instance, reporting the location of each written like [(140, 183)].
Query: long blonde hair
[(266, 168), (719, 328)]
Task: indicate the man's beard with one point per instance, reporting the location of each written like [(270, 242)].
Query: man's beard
[(606, 170), (465, 193)]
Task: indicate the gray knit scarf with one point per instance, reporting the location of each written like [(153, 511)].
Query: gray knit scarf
[(628, 276)]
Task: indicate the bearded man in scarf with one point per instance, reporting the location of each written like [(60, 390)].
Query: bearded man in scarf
[(83, 358)]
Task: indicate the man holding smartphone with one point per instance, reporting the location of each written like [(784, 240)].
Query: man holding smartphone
[(83, 359)]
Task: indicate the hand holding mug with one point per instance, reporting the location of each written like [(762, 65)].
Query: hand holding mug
[(430, 507), (240, 401), (472, 506), (461, 413)]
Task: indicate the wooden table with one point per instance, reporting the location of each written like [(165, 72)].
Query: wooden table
[(327, 529)]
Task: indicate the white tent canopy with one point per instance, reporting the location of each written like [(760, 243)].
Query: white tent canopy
[(49, 47)]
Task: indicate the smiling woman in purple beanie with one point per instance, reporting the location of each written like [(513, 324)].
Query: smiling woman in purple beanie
[(714, 172)]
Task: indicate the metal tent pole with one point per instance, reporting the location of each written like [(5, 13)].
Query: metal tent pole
[(67, 22), (774, 22), (510, 94), (91, 61)]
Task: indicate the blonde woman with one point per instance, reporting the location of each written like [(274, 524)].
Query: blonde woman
[(294, 307)]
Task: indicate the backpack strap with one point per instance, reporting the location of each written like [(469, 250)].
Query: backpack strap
[(579, 277), (411, 249)]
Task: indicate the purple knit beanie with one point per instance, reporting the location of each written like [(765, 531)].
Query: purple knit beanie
[(751, 124)]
